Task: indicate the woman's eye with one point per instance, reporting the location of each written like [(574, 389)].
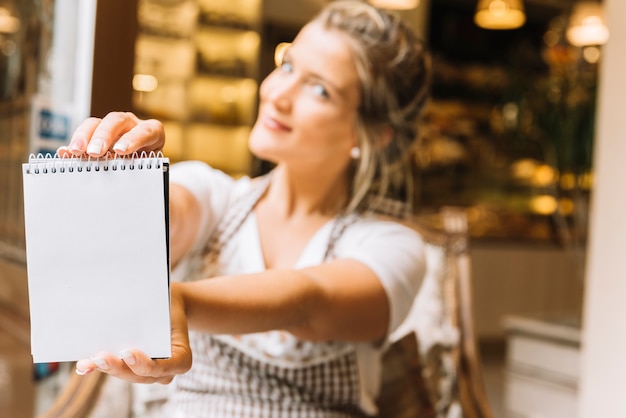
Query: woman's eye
[(286, 67), (320, 90)]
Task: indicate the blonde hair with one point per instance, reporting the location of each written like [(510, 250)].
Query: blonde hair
[(394, 69)]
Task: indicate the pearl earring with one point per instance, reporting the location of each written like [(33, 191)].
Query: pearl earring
[(355, 153)]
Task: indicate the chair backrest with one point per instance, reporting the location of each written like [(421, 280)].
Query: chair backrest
[(433, 366), (77, 397)]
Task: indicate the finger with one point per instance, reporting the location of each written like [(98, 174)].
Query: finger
[(85, 366), (109, 131), (147, 368), (82, 135), (64, 152), (114, 366), (181, 359), (142, 365), (140, 368), (147, 135)]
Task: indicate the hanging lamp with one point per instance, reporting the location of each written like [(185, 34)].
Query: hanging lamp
[(9, 22), (587, 25), (500, 14), (395, 4)]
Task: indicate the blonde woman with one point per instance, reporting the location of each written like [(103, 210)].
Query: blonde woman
[(299, 280)]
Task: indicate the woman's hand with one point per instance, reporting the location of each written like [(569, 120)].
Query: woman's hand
[(119, 132), (135, 366)]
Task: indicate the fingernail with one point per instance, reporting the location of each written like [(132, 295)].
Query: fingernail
[(83, 372), (77, 146), (95, 146), (128, 357), (63, 150), (120, 147), (100, 363)]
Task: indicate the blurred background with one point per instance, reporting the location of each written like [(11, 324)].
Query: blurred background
[(508, 135)]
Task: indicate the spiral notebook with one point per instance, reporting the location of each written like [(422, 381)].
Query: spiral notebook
[(97, 255)]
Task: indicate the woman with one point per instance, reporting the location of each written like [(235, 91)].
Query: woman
[(300, 282)]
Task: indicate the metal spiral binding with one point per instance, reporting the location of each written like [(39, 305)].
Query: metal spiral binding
[(48, 163)]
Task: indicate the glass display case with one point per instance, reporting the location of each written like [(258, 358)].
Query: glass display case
[(196, 69), (509, 131)]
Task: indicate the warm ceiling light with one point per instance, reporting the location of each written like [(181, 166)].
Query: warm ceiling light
[(586, 25), (396, 4), (9, 24), (500, 14), (145, 83)]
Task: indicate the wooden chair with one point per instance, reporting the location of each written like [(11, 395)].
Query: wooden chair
[(77, 397), (433, 367)]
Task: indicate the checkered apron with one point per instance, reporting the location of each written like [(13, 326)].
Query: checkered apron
[(269, 374)]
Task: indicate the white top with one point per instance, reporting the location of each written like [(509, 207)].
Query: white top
[(393, 251)]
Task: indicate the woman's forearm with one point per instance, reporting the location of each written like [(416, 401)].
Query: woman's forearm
[(341, 300), (269, 300)]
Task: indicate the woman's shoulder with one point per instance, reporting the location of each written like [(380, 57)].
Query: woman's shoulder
[(376, 236)]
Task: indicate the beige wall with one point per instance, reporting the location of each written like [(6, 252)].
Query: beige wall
[(604, 330), (517, 279)]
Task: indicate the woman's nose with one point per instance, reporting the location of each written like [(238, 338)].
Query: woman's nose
[(280, 91)]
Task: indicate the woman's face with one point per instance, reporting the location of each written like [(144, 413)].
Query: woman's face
[(308, 105)]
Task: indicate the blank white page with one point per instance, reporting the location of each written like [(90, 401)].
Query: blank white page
[(97, 257)]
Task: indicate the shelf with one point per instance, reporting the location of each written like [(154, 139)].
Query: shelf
[(238, 14), (165, 58), (222, 100), (168, 20), (197, 70), (225, 51)]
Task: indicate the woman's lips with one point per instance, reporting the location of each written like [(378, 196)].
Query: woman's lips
[(274, 124)]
